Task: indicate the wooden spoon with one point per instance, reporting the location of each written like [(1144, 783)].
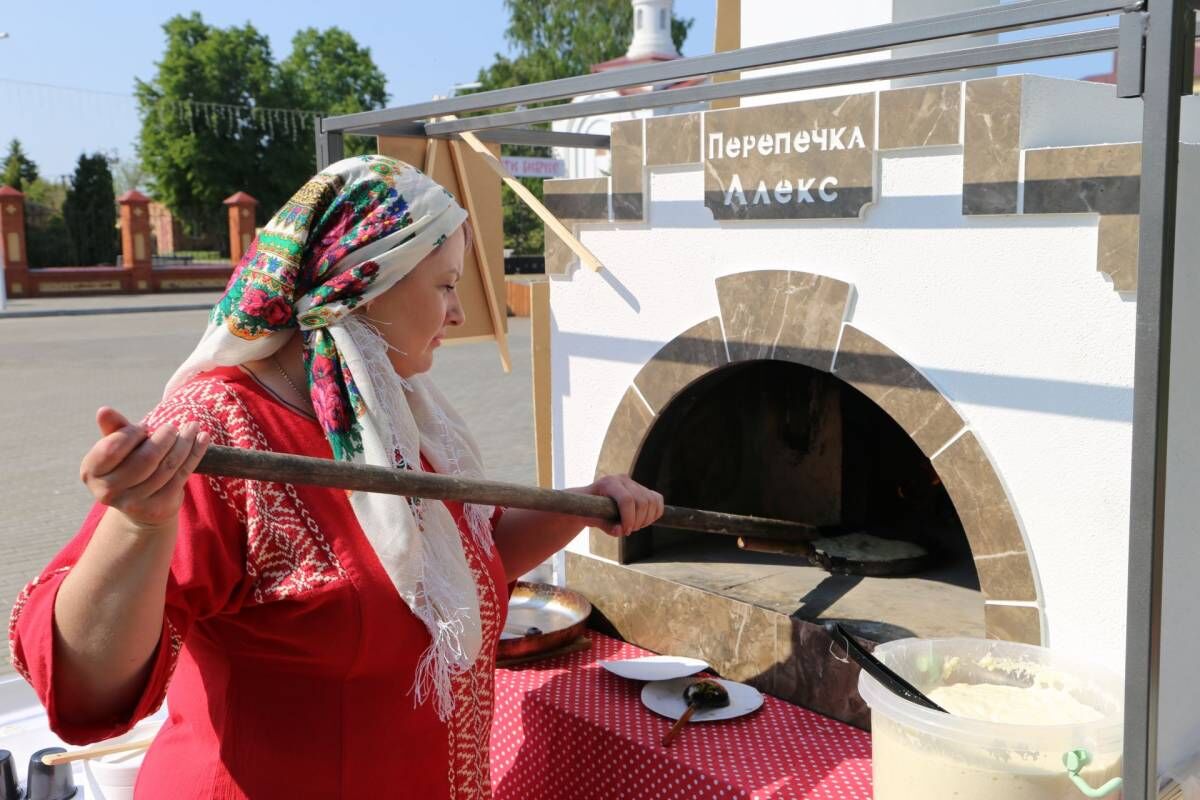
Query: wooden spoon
[(703, 693), (95, 751)]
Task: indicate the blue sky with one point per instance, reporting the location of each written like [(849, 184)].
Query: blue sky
[(423, 48)]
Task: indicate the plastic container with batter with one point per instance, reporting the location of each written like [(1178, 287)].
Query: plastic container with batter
[(918, 753)]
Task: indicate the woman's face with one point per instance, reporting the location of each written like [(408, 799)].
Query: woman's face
[(413, 315)]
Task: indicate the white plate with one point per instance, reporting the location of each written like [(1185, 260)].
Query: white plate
[(666, 698), (655, 668)]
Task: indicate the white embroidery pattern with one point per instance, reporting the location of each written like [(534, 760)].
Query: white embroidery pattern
[(18, 607), (470, 728), (286, 553)]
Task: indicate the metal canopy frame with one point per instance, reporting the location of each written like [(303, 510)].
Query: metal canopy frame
[(1155, 44)]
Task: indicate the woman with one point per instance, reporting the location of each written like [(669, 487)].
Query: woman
[(317, 643)]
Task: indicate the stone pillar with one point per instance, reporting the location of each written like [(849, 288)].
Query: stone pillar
[(135, 238), (12, 242), (241, 224)]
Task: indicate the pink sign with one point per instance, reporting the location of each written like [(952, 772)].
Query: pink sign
[(531, 167)]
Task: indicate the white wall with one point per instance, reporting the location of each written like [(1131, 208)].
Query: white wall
[(1007, 316)]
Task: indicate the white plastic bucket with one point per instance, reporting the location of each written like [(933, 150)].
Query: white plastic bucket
[(925, 754), (112, 777)]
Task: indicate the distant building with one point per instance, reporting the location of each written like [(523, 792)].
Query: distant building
[(1111, 77), (651, 43), (165, 231), (747, 23)]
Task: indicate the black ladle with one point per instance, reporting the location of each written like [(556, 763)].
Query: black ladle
[(704, 693), (878, 670)]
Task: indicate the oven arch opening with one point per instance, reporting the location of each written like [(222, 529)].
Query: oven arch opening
[(800, 318)]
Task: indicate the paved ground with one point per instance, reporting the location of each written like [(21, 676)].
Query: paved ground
[(104, 304), (58, 369)]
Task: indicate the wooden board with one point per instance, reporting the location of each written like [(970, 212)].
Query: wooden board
[(485, 193), (728, 37), (543, 420)]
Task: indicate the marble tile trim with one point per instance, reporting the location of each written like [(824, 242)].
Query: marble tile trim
[(991, 145), (898, 388), (1117, 251), (577, 199), (784, 315), (785, 657), (796, 316), (681, 361), (1103, 179), (921, 116), (1013, 623), (1001, 559), (730, 161), (628, 176), (1100, 179), (571, 200), (673, 139), (618, 453)]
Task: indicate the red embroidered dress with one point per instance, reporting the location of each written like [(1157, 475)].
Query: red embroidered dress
[(288, 654)]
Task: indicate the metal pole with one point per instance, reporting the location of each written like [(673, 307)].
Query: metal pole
[(925, 64), (974, 21), (1171, 26), (3, 277), (322, 146), (330, 145)]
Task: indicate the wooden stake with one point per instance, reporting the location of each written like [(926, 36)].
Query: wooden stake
[(585, 256), (431, 149), (539, 335), (481, 261)]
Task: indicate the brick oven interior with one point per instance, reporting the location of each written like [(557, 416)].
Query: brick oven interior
[(779, 439)]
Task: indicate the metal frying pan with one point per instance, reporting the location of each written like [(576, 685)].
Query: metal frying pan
[(541, 618)]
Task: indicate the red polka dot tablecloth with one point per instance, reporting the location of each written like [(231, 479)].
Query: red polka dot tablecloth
[(567, 728)]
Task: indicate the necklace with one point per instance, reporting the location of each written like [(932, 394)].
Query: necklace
[(283, 372)]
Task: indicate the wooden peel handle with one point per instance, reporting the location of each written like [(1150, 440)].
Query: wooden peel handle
[(285, 468), (796, 548)]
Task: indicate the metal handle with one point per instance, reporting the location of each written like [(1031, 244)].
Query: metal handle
[(1075, 761), (878, 670)]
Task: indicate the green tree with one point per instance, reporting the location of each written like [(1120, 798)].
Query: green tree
[(90, 211), (196, 155), (128, 174), (328, 70), (45, 193), (19, 169), (47, 241), (553, 39), (194, 163), (561, 38)]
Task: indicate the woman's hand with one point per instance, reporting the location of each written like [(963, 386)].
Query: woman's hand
[(525, 539), (108, 614), (141, 473), (639, 506)]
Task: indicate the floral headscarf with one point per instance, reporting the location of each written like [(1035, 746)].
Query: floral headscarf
[(346, 237)]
